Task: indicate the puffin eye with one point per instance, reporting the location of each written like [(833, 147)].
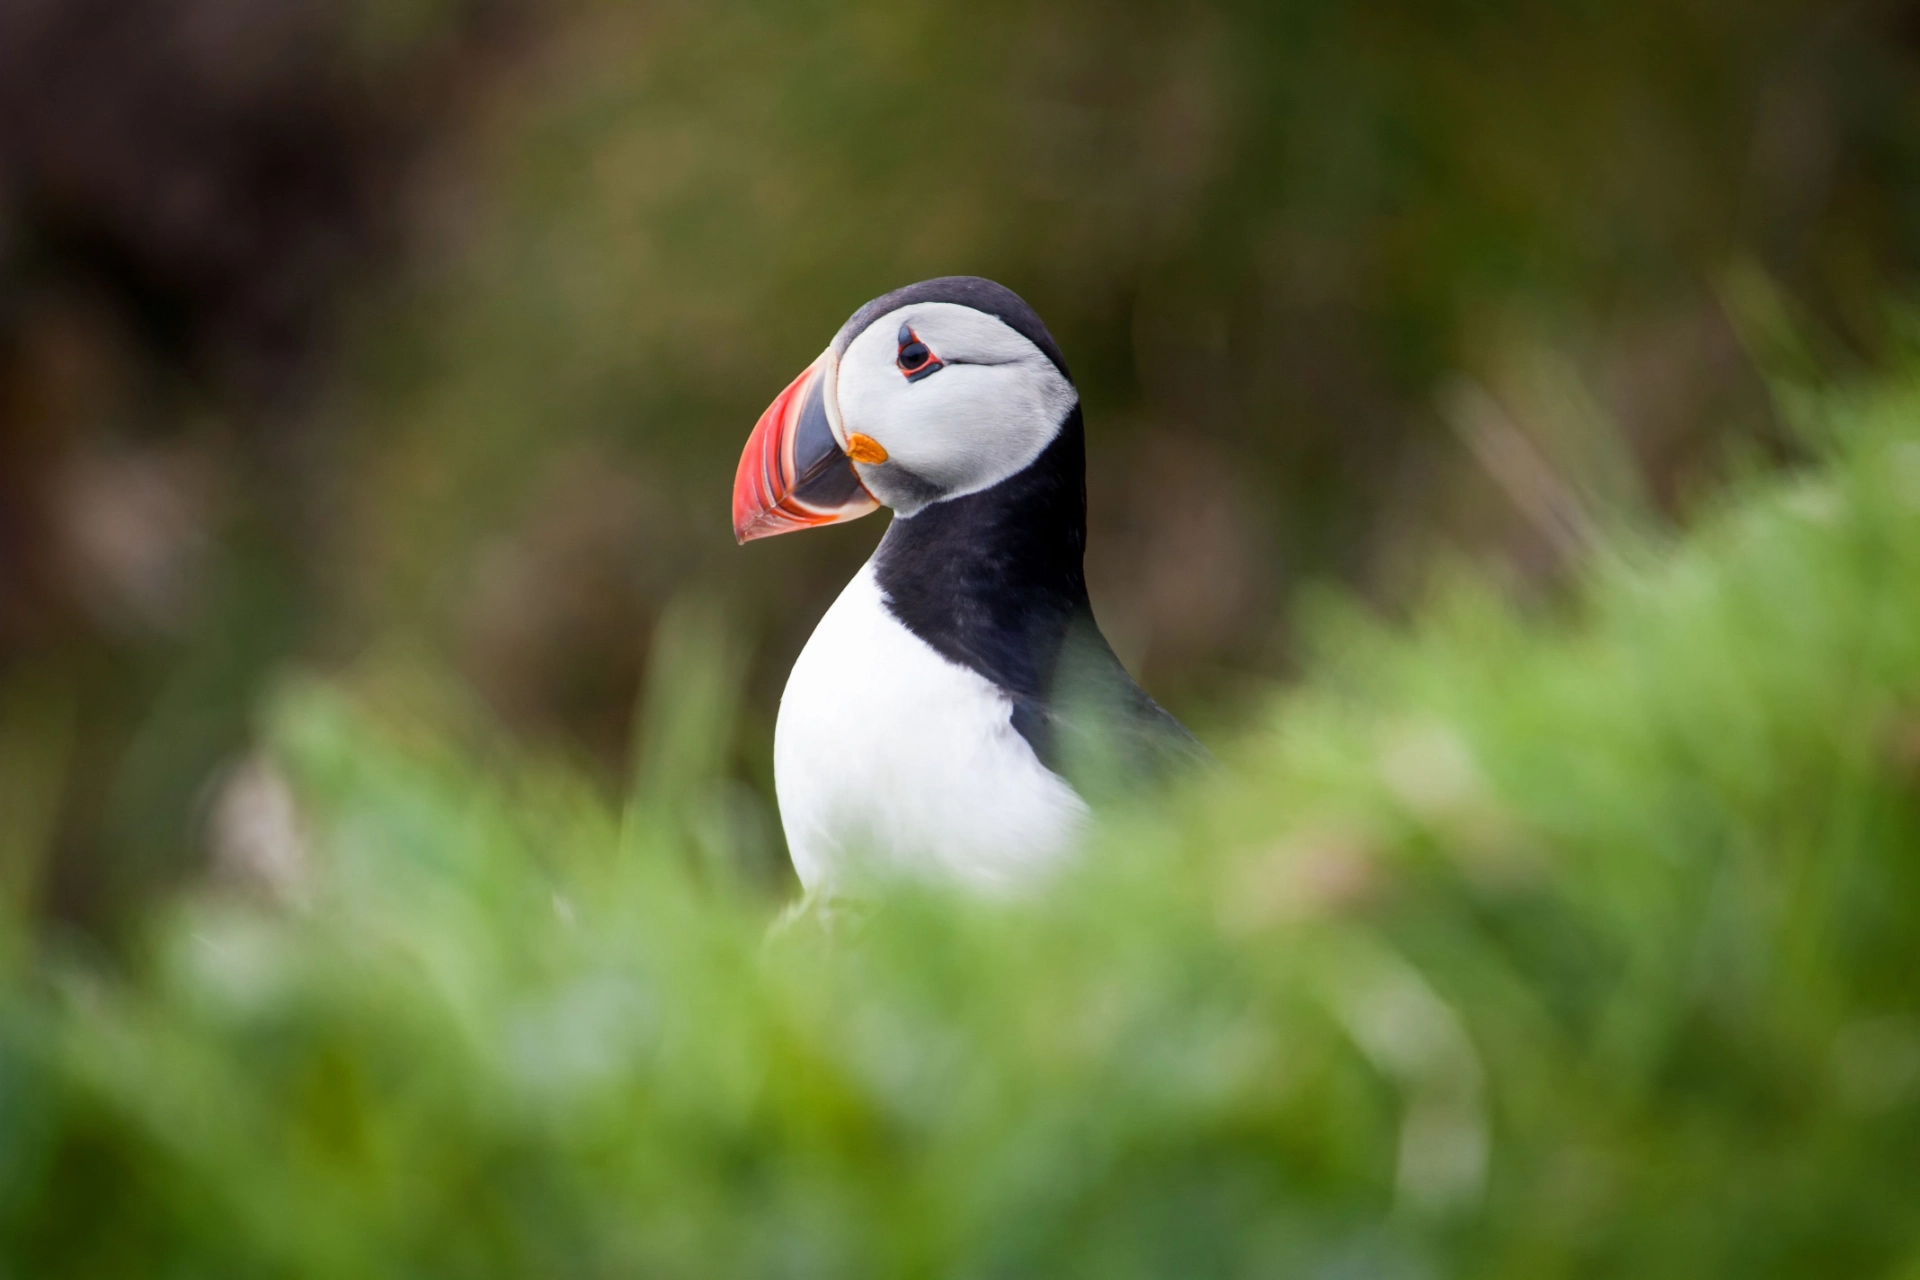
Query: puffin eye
[(915, 359)]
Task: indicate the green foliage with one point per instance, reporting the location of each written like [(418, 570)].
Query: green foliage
[(1510, 947)]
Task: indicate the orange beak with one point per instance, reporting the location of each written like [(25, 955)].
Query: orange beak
[(793, 473)]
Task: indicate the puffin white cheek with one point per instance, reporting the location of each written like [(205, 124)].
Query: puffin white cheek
[(1007, 416), (961, 429), (963, 438)]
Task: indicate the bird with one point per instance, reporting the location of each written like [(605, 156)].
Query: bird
[(932, 724)]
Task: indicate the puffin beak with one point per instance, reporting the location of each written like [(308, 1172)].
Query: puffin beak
[(793, 473)]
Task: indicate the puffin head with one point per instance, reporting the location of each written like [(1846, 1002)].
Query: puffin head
[(931, 392)]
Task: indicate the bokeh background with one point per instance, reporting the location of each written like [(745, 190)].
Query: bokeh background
[(1505, 451), (415, 341)]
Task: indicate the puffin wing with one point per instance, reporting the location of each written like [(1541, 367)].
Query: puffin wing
[(1099, 729)]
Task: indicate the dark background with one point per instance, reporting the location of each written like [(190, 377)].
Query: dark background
[(423, 337)]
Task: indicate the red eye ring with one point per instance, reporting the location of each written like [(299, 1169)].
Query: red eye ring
[(915, 359)]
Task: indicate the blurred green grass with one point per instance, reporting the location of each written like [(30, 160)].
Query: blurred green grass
[(1508, 944)]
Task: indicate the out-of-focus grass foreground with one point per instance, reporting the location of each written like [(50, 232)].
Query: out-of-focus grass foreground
[(1510, 947), (1505, 433)]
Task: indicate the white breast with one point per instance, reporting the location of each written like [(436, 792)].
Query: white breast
[(887, 751)]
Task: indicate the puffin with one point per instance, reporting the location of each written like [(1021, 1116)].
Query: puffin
[(950, 709)]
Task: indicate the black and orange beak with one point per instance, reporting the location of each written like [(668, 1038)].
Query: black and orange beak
[(793, 473)]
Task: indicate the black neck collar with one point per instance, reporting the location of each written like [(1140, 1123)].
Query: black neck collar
[(994, 580)]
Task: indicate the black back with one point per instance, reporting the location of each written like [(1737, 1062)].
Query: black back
[(995, 581)]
